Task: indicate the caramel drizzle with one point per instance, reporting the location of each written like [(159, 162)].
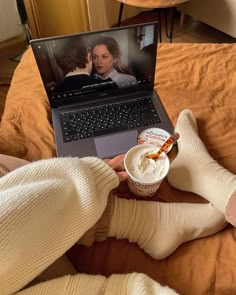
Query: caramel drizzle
[(164, 147)]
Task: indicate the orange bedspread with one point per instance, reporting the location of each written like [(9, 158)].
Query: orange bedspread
[(200, 77)]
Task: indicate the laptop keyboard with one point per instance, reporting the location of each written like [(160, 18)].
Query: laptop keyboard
[(106, 119)]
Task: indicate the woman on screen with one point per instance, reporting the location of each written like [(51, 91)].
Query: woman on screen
[(106, 57), (76, 66)]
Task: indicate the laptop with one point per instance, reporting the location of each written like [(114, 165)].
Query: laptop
[(101, 115)]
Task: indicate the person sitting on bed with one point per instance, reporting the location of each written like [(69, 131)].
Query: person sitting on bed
[(76, 65), (48, 205)]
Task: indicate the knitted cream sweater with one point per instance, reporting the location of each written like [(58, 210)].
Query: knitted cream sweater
[(45, 207)]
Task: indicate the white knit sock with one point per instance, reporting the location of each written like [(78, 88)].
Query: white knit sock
[(194, 169), (159, 228)]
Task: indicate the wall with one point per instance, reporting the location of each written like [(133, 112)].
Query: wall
[(220, 14), (9, 20)]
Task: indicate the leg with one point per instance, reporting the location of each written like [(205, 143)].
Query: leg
[(46, 207), (120, 14), (159, 20), (134, 283), (194, 169), (160, 228), (170, 34), (8, 163)]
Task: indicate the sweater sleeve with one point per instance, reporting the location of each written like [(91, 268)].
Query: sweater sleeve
[(130, 284), (45, 207)]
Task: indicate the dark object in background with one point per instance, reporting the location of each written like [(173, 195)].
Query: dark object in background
[(24, 18)]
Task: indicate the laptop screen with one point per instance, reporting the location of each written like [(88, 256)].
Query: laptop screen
[(93, 64)]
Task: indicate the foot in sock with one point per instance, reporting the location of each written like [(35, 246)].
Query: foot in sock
[(160, 228), (195, 170)]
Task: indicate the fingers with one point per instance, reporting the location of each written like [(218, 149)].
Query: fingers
[(122, 175), (117, 163)]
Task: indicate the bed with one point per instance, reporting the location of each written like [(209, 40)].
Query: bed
[(200, 77)]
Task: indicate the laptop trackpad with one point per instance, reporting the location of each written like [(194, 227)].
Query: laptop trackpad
[(115, 144)]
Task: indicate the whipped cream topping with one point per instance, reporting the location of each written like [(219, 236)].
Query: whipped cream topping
[(144, 169)]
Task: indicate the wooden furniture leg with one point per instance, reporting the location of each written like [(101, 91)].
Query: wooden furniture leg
[(120, 14)]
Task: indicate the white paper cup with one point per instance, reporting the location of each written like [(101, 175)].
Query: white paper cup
[(150, 183)]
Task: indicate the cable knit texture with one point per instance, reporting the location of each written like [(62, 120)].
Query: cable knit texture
[(45, 207), (130, 284)]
